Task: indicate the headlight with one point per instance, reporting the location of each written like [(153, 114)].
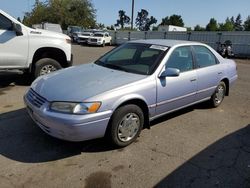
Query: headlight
[(68, 41), (75, 108)]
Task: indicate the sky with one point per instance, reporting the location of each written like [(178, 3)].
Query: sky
[(193, 12)]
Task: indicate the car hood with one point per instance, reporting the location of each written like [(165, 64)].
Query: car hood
[(81, 82)]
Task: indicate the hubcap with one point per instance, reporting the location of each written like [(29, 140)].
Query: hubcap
[(219, 95), (47, 69), (128, 127)]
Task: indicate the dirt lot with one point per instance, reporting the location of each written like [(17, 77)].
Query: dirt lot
[(195, 147)]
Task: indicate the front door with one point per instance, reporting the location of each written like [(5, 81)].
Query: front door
[(14, 49), (179, 91)]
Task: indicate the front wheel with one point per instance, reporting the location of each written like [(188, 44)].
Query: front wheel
[(103, 43), (219, 94), (126, 125), (46, 66)]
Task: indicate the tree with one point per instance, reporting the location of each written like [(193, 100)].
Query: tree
[(232, 20), (143, 22), (63, 12), (173, 20), (199, 28), (123, 19), (247, 24), (238, 23), (150, 21), (38, 14), (100, 26), (212, 25), (227, 26)]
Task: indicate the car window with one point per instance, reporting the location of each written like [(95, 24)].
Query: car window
[(5, 23), (181, 58), (204, 57)]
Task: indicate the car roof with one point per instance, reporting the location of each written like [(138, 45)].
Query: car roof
[(165, 42)]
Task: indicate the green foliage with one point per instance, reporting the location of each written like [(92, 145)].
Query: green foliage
[(123, 19), (247, 24), (63, 12), (227, 26), (199, 28), (173, 20), (143, 22), (238, 23), (212, 25)]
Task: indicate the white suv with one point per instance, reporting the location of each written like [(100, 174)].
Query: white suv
[(100, 38), (37, 51)]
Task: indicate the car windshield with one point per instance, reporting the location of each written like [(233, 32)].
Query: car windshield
[(98, 35), (134, 58), (76, 29)]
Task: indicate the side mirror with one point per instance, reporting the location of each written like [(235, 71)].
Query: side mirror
[(170, 72), (18, 29)]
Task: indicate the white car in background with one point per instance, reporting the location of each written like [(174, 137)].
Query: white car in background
[(100, 38), (82, 38)]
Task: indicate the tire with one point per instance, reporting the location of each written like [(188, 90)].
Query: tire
[(45, 66), (219, 94), (103, 44), (110, 43), (126, 125)]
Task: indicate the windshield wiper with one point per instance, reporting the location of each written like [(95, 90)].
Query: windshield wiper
[(111, 66)]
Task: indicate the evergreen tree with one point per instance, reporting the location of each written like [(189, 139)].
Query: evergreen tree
[(238, 23), (247, 24), (212, 25)]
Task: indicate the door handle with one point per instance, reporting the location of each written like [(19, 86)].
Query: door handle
[(193, 80), (219, 73)]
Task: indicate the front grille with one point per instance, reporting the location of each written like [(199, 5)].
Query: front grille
[(93, 40), (35, 98)]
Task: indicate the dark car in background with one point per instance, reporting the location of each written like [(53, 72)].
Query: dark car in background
[(73, 32)]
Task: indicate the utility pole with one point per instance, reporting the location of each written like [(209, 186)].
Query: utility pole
[(132, 17)]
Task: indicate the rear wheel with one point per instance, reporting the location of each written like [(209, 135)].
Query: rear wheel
[(46, 66), (126, 125), (219, 94)]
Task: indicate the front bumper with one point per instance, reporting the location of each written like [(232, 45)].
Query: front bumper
[(82, 40), (98, 43), (66, 126), (70, 62)]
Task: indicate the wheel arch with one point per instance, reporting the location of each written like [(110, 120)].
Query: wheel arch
[(226, 81), (50, 52), (136, 101)]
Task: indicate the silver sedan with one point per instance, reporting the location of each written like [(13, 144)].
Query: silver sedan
[(124, 90)]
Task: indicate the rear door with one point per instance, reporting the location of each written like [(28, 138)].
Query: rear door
[(209, 71), (13, 48)]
